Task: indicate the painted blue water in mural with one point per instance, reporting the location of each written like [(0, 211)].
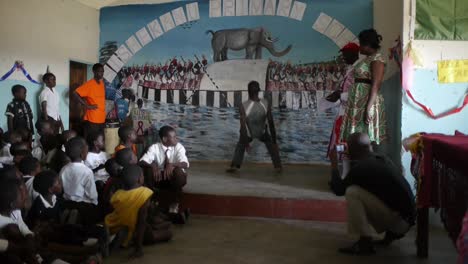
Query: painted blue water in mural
[(211, 133)]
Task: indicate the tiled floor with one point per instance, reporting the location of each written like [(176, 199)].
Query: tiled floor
[(207, 240)]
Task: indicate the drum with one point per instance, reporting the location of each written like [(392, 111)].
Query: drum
[(111, 134)]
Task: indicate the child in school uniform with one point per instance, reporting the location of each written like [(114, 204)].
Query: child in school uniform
[(128, 139), (96, 158), (45, 131), (131, 207), (11, 137), (167, 165), (45, 215), (19, 112), (79, 189), (49, 101), (30, 167)]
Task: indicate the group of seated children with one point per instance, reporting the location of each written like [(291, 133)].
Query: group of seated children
[(78, 202)]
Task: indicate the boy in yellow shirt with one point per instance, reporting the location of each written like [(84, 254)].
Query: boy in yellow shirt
[(131, 206)]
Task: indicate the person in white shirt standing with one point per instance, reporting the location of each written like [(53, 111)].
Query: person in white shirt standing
[(49, 101), (79, 189), (168, 164)]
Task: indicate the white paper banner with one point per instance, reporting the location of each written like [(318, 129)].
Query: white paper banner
[(192, 11), (256, 7), (124, 54), (143, 36), (298, 10), (215, 8), (334, 30), (132, 44), (115, 63), (109, 74), (179, 16), (155, 29), (167, 22), (284, 6), (270, 8), (322, 22), (229, 7), (242, 7)]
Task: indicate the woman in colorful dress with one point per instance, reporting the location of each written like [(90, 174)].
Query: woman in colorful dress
[(365, 111)]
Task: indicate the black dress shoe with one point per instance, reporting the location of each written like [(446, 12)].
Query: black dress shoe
[(363, 247)]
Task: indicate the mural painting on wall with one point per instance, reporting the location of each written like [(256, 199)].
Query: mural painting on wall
[(191, 63)]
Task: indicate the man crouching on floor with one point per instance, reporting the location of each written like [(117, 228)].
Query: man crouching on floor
[(378, 197)]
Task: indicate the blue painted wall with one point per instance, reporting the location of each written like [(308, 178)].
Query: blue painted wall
[(440, 98)]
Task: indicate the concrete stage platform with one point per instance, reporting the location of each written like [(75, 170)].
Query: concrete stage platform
[(299, 192)]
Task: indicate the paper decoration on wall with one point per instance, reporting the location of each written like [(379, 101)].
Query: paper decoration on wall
[(297, 12), (109, 74), (256, 7), (215, 8), (18, 66), (192, 11), (345, 37), (242, 7), (167, 22), (270, 8), (115, 63), (407, 73), (179, 16), (124, 54), (155, 29), (284, 7), (441, 20), (229, 7), (143, 36), (322, 22), (452, 71), (133, 44)]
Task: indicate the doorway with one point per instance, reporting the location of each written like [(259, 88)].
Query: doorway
[(78, 76)]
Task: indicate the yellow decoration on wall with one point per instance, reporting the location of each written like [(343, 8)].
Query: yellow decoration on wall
[(453, 71)]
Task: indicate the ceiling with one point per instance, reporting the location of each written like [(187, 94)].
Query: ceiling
[(98, 4)]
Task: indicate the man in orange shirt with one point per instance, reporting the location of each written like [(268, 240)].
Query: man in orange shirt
[(92, 96)]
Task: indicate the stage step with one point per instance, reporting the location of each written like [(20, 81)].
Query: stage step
[(300, 192)]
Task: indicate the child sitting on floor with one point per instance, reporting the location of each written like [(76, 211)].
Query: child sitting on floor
[(8, 139), (112, 185), (131, 211), (11, 223), (60, 158), (45, 131), (30, 167), (79, 189), (45, 215), (125, 157), (128, 139), (96, 157)]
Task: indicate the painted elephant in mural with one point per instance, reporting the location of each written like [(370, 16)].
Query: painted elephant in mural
[(252, 40)]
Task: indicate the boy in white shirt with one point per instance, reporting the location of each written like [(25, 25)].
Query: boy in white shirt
[(96, 158), (79, 189), (168, 163), (49, 101)]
